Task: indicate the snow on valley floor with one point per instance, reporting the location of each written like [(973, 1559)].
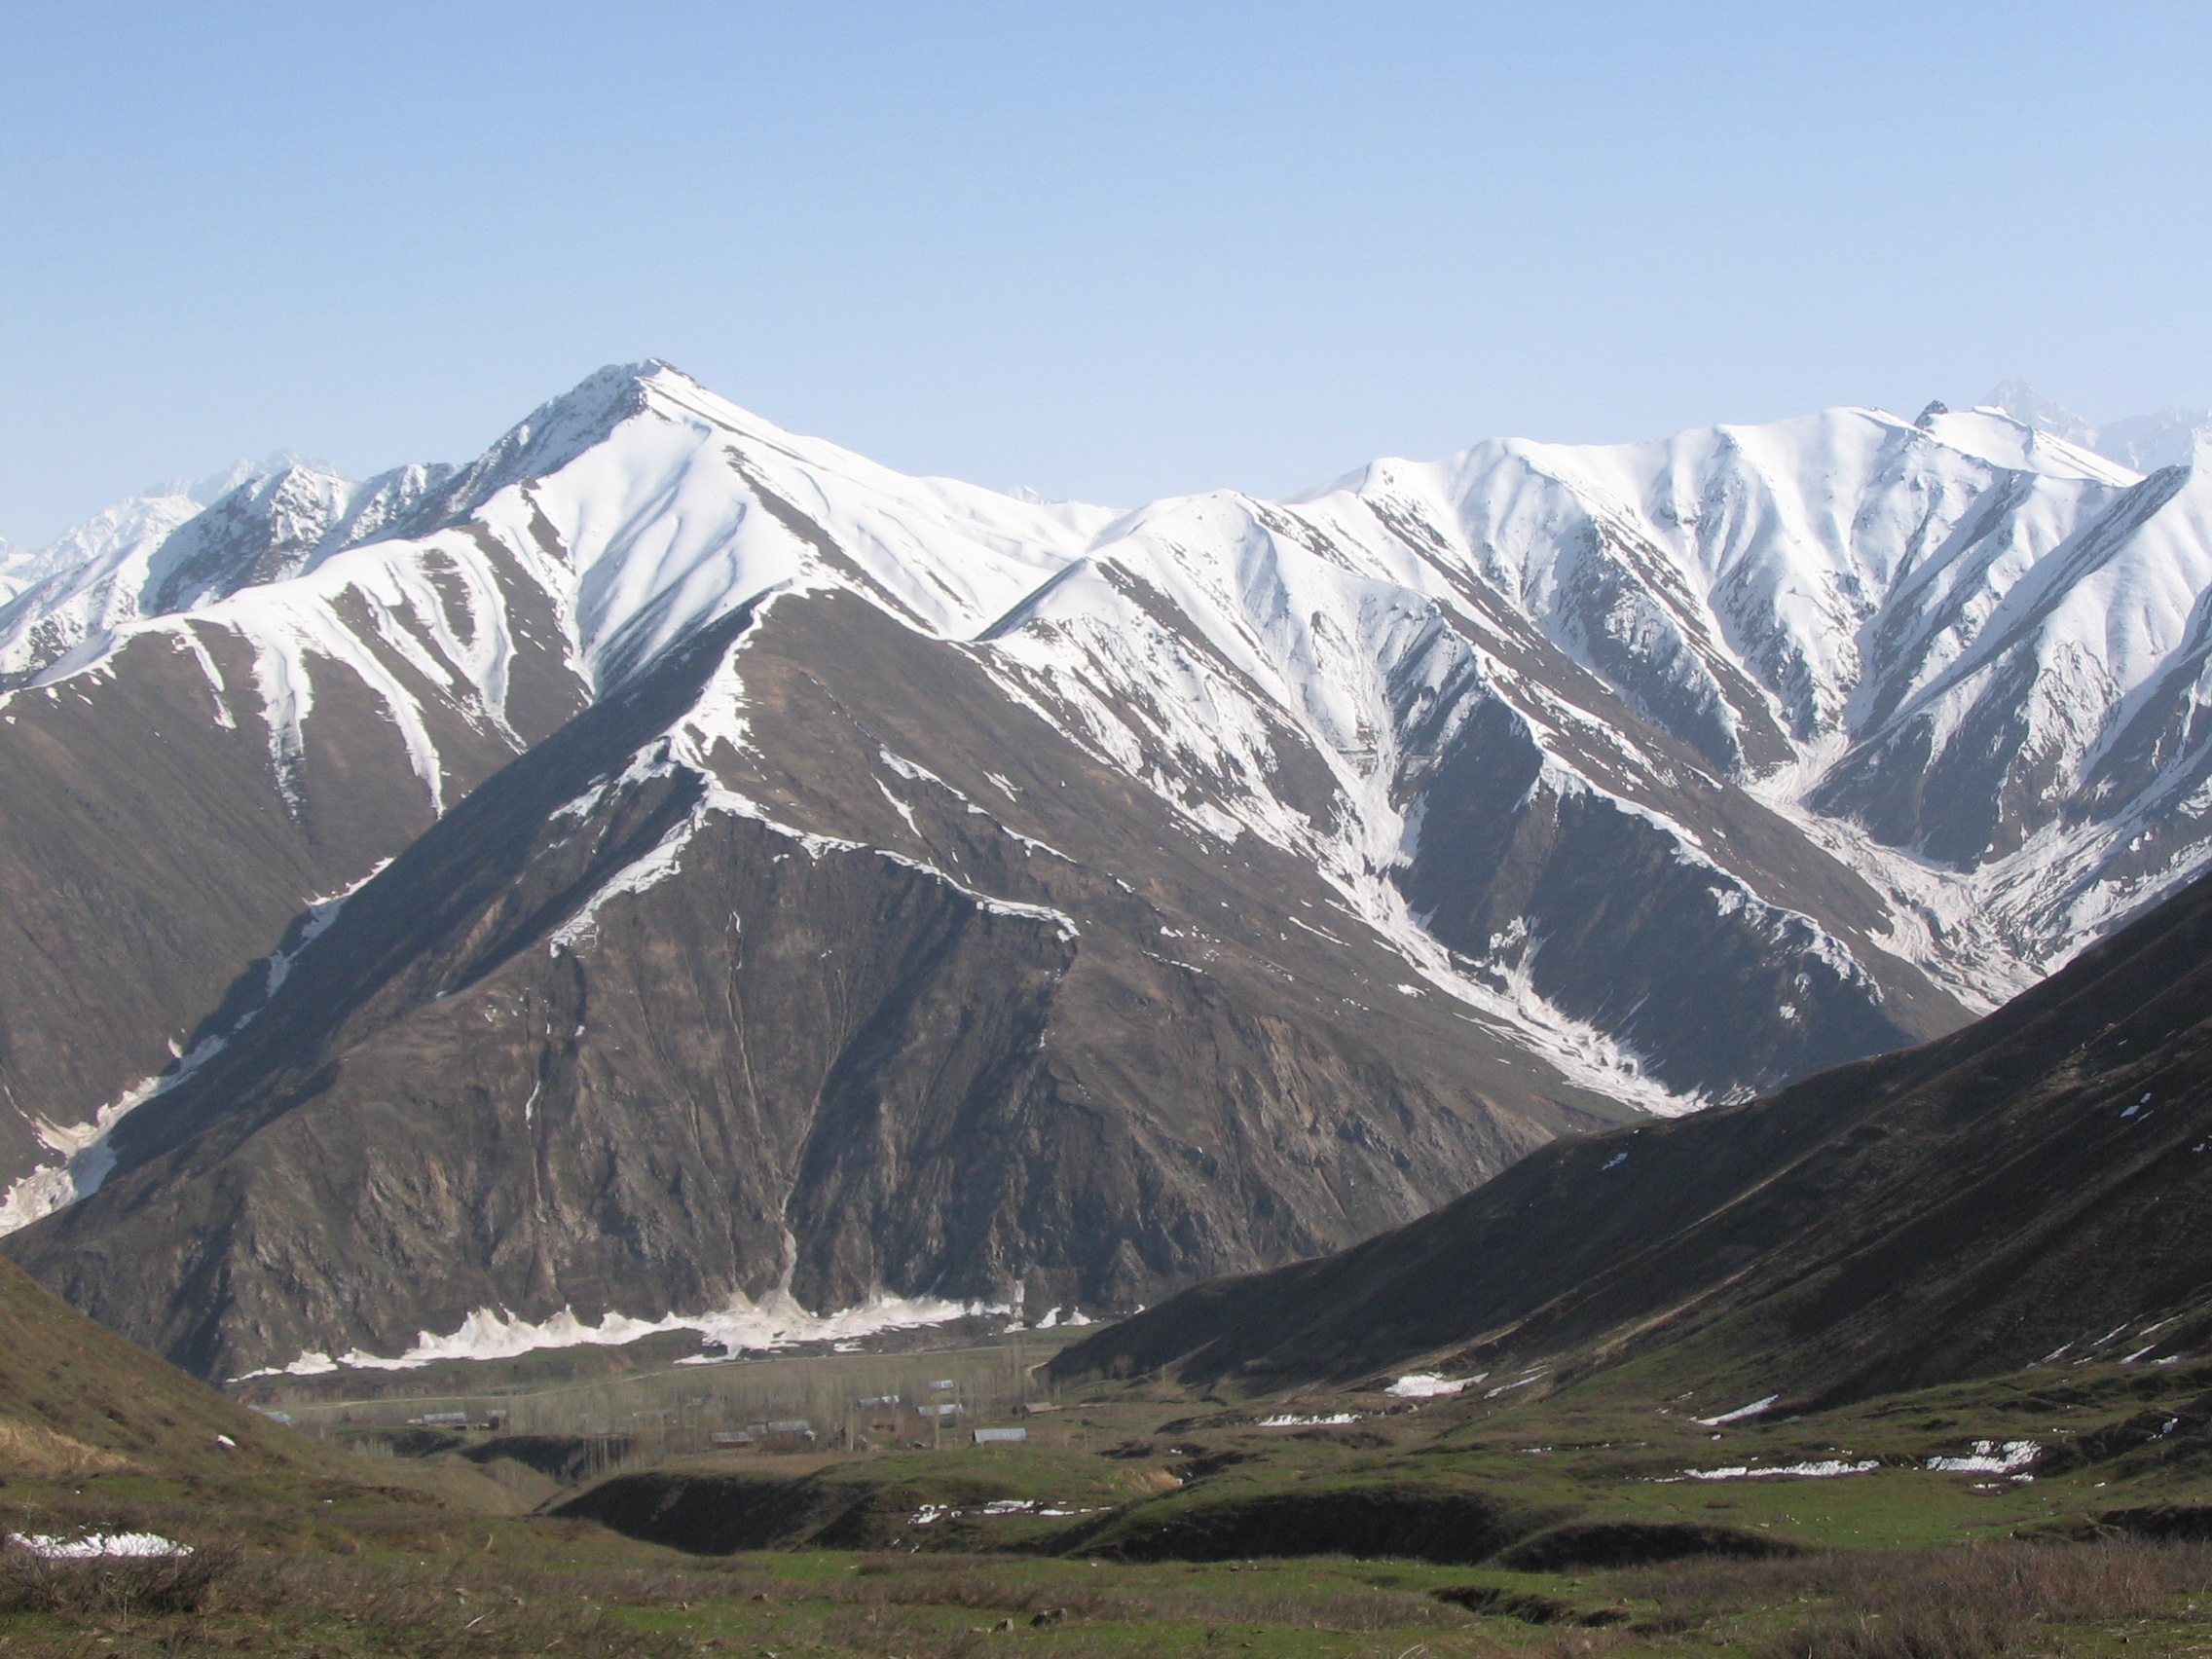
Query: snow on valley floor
[(776, 1322)]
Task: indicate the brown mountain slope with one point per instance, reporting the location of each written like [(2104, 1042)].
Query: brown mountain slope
[(2040, 1181), (640, 1030)]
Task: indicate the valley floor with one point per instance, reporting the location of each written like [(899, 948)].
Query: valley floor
[(2063, 1511)]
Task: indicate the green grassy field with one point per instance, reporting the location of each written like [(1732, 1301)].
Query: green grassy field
[(1134, 1523)]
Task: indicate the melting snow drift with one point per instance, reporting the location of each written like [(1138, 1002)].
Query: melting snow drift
[(1428, 1384), (778, 1322), (96, 1545)]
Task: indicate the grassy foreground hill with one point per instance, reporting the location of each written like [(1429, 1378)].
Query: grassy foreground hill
[(77, 1400), (294, 1545)]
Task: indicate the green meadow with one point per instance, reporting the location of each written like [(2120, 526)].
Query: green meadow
[(1597, 1517)]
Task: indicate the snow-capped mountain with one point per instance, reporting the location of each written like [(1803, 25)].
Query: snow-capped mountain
[(96, 554), (2170, 437), (183, 545), (909, 891), (16, 566)]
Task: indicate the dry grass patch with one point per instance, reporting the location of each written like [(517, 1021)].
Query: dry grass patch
[(971, 1582), (1949, 1604)]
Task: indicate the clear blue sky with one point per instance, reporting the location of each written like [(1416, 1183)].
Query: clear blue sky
[(1106, 251)]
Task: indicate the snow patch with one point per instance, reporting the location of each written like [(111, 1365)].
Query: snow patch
[(1054, 1317), (930, 1513), (87, 1156), (1823, 1469), (1755, 1409), (777, 1321), (95, 1546), (1989, 1457), (1430, 1384)]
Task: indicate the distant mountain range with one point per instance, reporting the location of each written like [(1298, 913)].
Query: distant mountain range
[(672, 872), (2170, 437)]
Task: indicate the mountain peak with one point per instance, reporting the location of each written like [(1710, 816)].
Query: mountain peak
[(208, 489), (545, 440), (601, 400), (2031, 408)]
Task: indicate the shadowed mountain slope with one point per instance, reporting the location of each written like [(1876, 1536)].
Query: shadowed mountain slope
[(2034, 1186)]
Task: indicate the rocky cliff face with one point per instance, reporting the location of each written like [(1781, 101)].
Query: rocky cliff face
[(813, 888)]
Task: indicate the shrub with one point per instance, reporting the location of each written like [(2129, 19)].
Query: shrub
[(116, 1585)]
